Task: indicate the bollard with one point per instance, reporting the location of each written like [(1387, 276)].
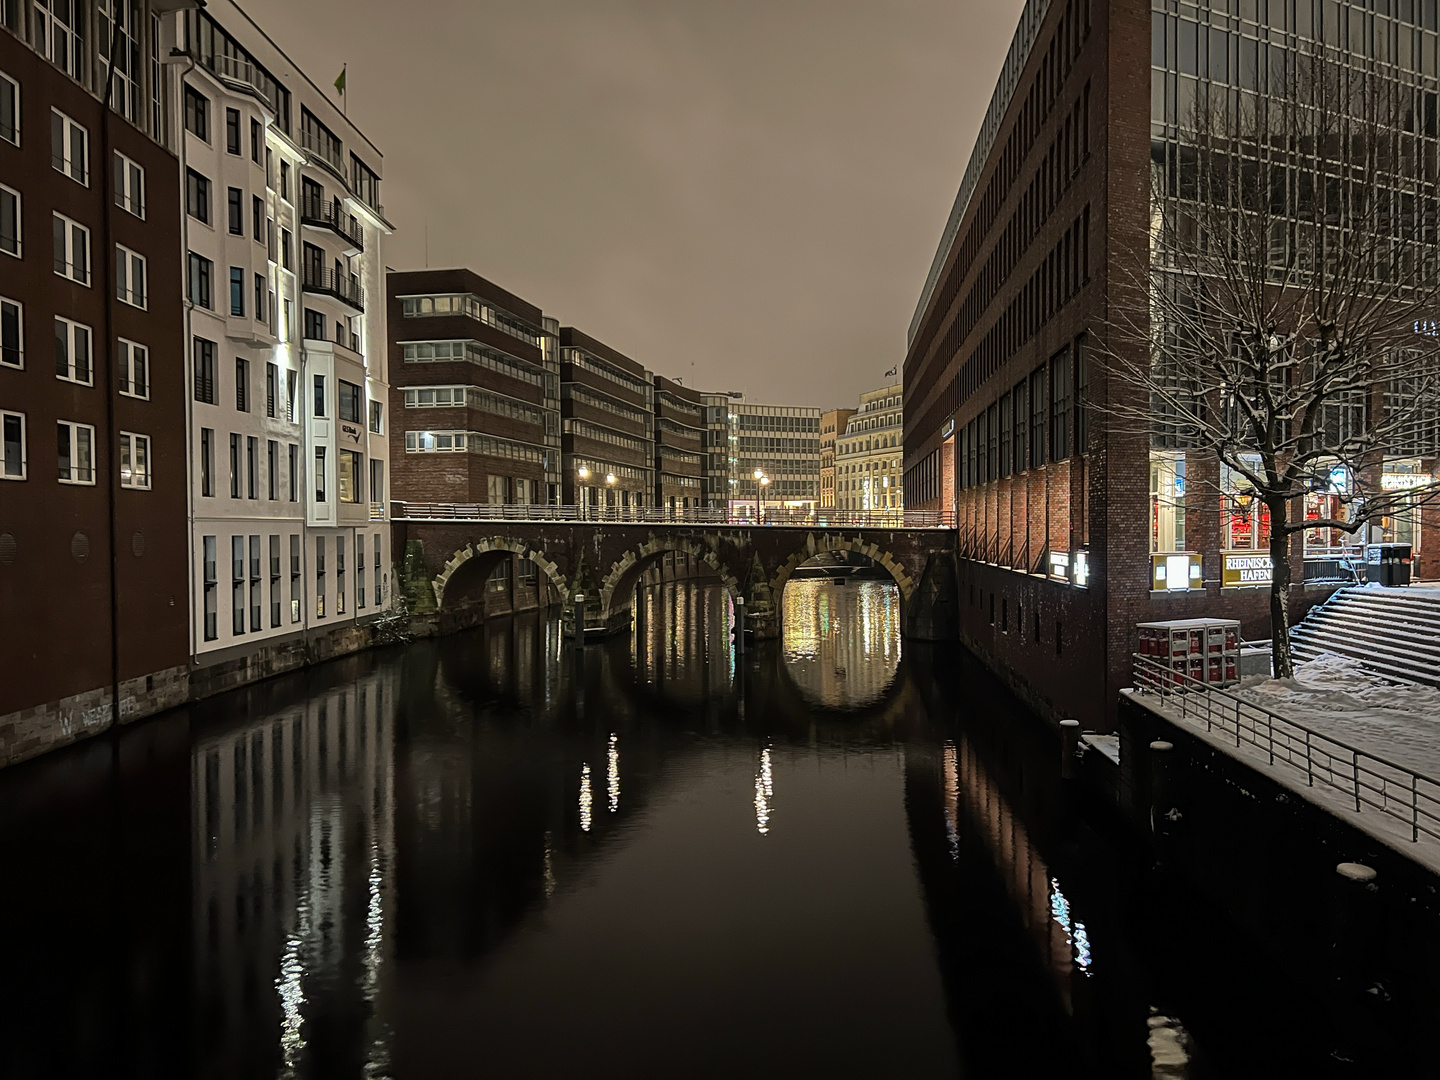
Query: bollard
[(1163, 813), (1069, 749), (579, 620), (1360, 997), (739, 626)]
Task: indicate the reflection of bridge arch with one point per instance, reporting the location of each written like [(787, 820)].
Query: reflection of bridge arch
[(626, 571), (484, 555), (818, 545)]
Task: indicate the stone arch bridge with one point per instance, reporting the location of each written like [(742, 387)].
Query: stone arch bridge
[(445, 561)]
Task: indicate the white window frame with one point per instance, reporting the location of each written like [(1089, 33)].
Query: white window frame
[(435, 442), (68, 158), (24, 446), (72, 328), (132, 448), (49, 29), (76, 430), (69, 268), (127, 353), (19, 223), (14, 85), (130, 265), (129, 185), (19, 364)]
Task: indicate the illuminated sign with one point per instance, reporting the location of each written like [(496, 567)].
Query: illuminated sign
[(1176, 572), (1082, 568), (1060, 566), (948, 429), (1400, 481), (1246, 569)]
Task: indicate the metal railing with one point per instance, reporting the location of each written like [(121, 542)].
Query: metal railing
[(316, 143), (661, 515), (329, 214), (1363, 778), (344, 287), (377, 511)]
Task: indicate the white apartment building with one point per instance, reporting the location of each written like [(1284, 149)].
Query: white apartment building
[(869, 454), (285, 311)]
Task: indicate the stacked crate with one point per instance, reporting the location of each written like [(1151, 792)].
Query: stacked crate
[(1194, 650)]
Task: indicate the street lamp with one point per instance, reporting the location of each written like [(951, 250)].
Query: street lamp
[(761, 482), (584, 474), (610, 489)]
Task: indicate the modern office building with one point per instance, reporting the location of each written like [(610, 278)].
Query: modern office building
[(1074, 529), (720, 442), (832, 424), (679, 446), (607, 425), (282, 236), (475, 395), (92, 376), (782, 443), (868, 456)]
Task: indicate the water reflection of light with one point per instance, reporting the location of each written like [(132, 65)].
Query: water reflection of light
[(1074, 930), (549, 866), (952, 800), (612, 773), (585, 798), (292, 997), (764, 792), (841, 642)]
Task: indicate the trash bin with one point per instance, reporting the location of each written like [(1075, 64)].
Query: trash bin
[(1388, 564)]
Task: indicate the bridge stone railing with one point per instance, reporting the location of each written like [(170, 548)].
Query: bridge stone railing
[(770, 517)]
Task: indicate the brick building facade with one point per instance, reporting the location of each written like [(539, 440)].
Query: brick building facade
[(679, 445), (608, 425)]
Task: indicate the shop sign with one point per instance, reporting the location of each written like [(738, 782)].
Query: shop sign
[(1246, 569), (1059, 566), (352, 431), (1082, 568), (1399, 481)]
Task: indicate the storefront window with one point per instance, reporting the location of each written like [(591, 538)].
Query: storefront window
[(1403, 526), (1167, 501), (1244, 519), (1332, 502)]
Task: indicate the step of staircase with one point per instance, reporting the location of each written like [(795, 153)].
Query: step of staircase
[(1391, 631)]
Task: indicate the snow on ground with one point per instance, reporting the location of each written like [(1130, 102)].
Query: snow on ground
[(1335, 696)]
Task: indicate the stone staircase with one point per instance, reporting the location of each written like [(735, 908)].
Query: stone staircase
[(1394, 632)]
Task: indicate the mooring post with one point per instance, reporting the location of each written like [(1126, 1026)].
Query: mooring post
[(1359, 993), (1163, 813), (579, 620), (1069, 749), (739, 626)]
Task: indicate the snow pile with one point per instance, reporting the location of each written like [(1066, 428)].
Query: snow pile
[(1336, 696)]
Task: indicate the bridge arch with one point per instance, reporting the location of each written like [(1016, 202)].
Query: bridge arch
[(626, 570), (489, 552), (818, 545)]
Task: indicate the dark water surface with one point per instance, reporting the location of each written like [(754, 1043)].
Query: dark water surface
[(484, 857)]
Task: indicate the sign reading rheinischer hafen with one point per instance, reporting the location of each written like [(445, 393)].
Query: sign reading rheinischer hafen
[(1244, 568)]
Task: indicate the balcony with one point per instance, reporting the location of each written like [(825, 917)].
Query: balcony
[(331, 215), (321, 149), (343, 287), (239, 74)]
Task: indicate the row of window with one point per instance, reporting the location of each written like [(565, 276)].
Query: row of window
[(427, 442), (473, 352), (472, 307), (73, 352), (776, 422), (72, 251), (75, 453), (861, 446), (245, 473), (280, 390), (250, 574), (441, 397)]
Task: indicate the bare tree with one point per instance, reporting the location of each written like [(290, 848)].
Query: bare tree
[(1289, 278)]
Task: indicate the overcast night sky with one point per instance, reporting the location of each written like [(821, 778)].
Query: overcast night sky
[(743, 193)]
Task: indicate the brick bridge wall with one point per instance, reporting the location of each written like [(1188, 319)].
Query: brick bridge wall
[(447, 562)]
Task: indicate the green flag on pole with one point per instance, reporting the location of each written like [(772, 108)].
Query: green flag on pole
[(340, 81)]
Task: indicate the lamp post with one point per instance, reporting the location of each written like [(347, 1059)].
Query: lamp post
[(609, 489), (760, 479), (584, 474)]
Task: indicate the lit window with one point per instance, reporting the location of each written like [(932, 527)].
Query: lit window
[(69, 147), (134, 460), (12, 446), (72, 250)]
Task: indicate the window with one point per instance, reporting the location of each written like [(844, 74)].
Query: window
[(294, 473), (314, 325), (1167, 501), (320, 576), (203, 356), (207, 462), (360, 571), (272, 463), (69, 148), (9, 221), (198, 285), (211, 588), (242, 384), (1244, 519), (58, 36), (237, 291), (72, 352), (290, 390), (126, 41), (12, 334), (232, 131), (348, 406), (274, 581), (129, 185), (1039, 400), (259, 298), (272, 384), (257, 218), (131, 276), (350, 475), (234, 211), (339, 575), (364, 183), (255, 140), (252, 453), (285, 180), (237, 584), (319, 395), (12, 446), (254, 583), (377, 417), (134, 363), (72, 250), (1060, 377), (295, 579), (197, 196), (134, 460), (234, 466), (376, 548), (320, 474), (286, 245), (9, 110), (77, 453)]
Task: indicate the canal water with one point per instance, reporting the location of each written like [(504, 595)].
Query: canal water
[(490, 855)]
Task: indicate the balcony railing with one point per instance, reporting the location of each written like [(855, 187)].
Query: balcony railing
[(377, 511), (343, 287), (783, 517), (318, 145), (239, 72), (330, 214)]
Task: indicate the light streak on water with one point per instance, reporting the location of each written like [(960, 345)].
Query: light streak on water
[(612, 773), (586, 798), (764, 792)]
